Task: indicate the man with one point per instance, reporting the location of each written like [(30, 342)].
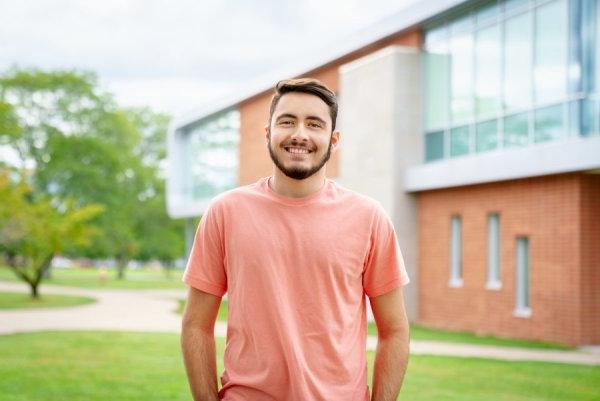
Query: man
[(296, 253)]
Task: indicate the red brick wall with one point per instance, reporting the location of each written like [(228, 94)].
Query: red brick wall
[(563, 265), (254, 113), (590, 259)]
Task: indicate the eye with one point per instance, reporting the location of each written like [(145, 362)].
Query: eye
[(286, 122), (315, 124)]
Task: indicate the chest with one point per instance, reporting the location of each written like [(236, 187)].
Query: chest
[(297, 246)]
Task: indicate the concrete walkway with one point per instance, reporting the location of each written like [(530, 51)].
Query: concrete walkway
[(153, 311)]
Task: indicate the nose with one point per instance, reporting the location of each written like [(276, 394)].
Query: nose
[(300, 134)]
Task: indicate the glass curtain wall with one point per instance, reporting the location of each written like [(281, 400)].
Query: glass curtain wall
[(511, 73), (211, 156), (589, 106)]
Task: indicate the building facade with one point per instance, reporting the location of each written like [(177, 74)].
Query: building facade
[(477, 125)]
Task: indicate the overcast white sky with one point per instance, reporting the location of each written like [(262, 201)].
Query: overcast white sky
[(177, 55)]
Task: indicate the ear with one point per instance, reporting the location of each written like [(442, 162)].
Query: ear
[(335, 140), (267, 131)]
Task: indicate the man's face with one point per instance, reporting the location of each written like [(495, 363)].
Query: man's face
[(299, 135)]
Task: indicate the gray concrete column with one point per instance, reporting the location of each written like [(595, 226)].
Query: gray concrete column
[(380, 125)]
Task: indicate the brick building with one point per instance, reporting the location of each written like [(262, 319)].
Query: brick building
[(477, 125)]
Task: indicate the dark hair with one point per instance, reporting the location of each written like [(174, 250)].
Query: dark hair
[(311, 86)]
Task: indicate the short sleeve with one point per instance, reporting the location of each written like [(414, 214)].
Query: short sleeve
[(384, 268), (205, 268)]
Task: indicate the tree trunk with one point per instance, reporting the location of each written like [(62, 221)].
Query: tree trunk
[(40, 273), (122, 266), (34, 290)]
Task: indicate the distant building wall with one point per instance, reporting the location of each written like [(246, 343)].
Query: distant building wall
[(555, 213), (590, 259)]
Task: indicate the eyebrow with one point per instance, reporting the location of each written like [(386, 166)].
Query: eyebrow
[(288, 115)]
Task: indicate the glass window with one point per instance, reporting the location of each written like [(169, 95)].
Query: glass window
[(522, 285), (596, 79), (488, 72), (514, 61), (575, 121), (493, 256), (459, 141), (587, 113), (516, 130), (486, 136), (461, 77), (456, 279), (212, 156), (549, 123), (515, 5), (517, 62), (434, 35), (488, 13), (437, 79), (434, 145), (462, 23), (551, 52), (583, 46)]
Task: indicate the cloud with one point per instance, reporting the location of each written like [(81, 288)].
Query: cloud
[(149, 50)]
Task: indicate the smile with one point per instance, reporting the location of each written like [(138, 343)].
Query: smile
[(297, 150)]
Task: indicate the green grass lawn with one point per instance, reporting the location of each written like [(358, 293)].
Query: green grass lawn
[(423, 333), (99, 366), (19, 300), (89, 278), (221, 316)]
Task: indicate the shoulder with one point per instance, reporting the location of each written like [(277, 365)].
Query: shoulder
[(358, 200), (370, 209)]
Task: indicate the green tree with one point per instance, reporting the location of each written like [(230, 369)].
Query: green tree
[(34, 229), (160, 237), (79, 145)]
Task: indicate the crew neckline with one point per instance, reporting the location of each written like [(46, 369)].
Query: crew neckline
[(293, 201)]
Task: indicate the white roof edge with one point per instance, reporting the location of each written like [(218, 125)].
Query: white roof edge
[(393, 24), (567, 155)]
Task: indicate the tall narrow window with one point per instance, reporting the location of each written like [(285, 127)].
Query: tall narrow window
[(523, 308), (488, 71), (461, 76), (518, 62), (493, 254), (551, 52), (456, 279), (437, 70)]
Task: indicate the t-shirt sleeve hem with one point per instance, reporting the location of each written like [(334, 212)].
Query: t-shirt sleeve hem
[(395, 283), (202, 285)]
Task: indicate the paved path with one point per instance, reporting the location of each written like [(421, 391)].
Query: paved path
[(125, 310), (153, 310)]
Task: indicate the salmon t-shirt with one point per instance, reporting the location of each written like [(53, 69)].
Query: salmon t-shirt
[(296, 271)]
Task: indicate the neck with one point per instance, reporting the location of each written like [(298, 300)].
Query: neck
[(286, 186)]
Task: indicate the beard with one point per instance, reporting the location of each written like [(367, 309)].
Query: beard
[(296, 172)]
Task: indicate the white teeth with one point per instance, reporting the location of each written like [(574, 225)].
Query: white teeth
[(297, 150)]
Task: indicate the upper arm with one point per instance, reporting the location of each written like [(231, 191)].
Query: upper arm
[(389, 312), (384, 267), (205, 269), (201, 310)]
